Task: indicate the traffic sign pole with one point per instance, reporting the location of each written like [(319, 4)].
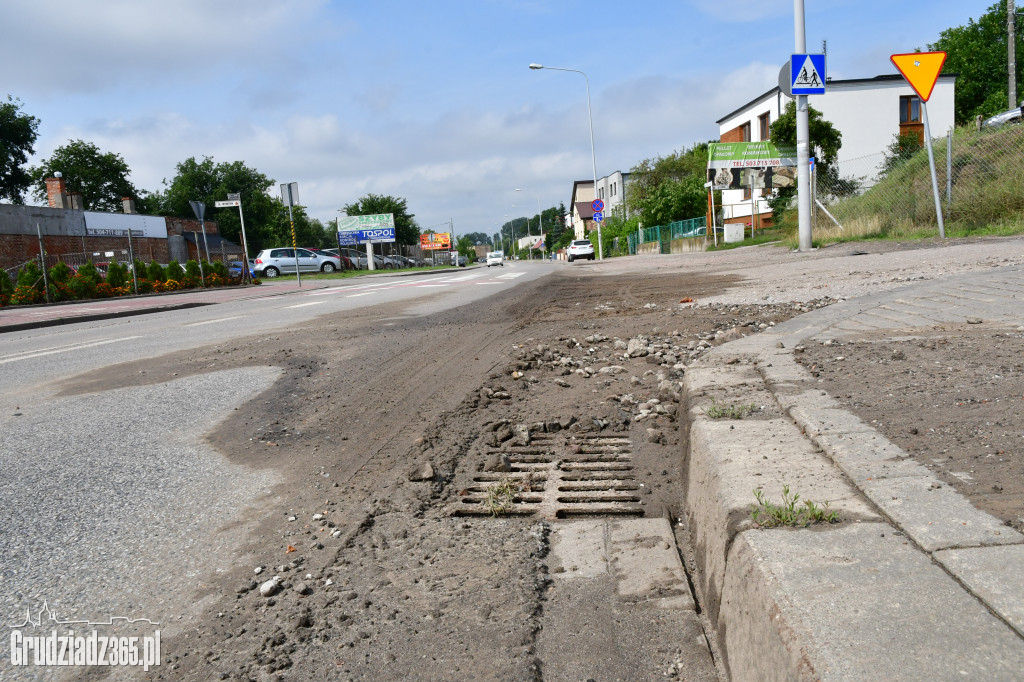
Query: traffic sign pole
[(803, 176), (921, 70), (931, 162)]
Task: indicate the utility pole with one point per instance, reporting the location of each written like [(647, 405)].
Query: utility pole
[(1011, 30), (803, 155)]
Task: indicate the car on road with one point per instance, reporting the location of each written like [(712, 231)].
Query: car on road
[(273, 262), (495, 258), (579, 248)]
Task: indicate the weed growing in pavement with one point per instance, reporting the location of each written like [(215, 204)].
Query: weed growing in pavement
[(719, 411), (769, 515), (500, 497)]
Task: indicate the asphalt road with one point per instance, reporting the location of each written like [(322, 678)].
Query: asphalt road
[(109, 500)]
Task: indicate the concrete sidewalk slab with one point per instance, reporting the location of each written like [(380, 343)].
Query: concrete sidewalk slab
[(915, 583), (855, 603)]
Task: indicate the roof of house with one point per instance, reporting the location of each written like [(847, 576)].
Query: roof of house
[(885, 78), (585, 209), (213, 241)]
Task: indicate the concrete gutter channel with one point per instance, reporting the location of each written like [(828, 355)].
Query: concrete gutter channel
[(913, 583)]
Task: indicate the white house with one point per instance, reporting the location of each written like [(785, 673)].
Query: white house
[(611, 189), (869, 112)]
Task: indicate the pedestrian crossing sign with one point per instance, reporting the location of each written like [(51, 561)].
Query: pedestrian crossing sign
[(807, 72)]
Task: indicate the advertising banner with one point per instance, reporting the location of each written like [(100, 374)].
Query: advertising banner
[(119, 224), (366, 229), (761, 165), (436, 240)]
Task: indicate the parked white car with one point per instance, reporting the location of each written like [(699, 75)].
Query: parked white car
[(579, 248), (270, 263), (496, 258)]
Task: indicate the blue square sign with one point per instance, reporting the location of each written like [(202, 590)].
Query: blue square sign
[(807, 74)]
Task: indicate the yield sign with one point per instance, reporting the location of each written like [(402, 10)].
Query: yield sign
[(921, 69)]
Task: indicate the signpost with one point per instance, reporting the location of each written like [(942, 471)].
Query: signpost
[(290, 197), (235, 199), (199, 208), (922, 69)]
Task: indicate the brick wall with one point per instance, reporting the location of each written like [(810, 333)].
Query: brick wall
[(64, 237)]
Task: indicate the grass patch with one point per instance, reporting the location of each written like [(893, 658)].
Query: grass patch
[(790, 512), (720, 411)]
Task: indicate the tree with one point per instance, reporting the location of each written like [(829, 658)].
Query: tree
[(406, 230), (675, 200), (476, 238), (648, 175), (209, 182), (100, 177), (977, 52), (18, 133), (824, 141)]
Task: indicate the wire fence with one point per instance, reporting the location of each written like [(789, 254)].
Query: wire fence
[(980, 177)]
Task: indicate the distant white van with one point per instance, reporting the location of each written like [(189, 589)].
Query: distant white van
[(496, 258)]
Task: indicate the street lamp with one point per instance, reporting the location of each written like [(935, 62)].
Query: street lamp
[(512, 226), (593, 156)]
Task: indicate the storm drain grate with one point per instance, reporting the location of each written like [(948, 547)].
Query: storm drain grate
[(558, 476)]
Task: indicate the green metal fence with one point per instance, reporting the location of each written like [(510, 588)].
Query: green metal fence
[(664, 234)]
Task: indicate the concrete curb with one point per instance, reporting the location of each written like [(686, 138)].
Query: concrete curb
[(914, 583)]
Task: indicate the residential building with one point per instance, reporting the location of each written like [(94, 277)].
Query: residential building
[(869, 112), (611, 189)]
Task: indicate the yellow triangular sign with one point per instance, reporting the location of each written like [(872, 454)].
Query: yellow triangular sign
[(921, 69)]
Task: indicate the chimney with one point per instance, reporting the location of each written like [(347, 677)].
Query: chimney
[(76, 201), (129, 205), (57, 192)]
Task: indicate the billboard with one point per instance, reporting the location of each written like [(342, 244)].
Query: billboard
[(119, 224), (436, 240), (761, 165), (366, 229)]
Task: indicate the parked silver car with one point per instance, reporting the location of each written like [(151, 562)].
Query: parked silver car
[(270, 263)]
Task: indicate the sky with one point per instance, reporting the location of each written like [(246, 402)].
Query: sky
[(428, 101)]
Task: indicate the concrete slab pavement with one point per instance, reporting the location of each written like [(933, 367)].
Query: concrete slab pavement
[(914, 582)]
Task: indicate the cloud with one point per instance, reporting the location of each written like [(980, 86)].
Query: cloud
[(111, 45)]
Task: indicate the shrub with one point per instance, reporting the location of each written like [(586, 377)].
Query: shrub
[(60, 273), (6, 288), (26, 295), (31, 276), (219, 269), (155, 272), (117, 275), (174, 271), (83, 286), (145, 286), (90, 272), (192, 272)]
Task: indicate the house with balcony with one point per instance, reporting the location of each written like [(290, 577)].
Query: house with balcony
[(869, 112)]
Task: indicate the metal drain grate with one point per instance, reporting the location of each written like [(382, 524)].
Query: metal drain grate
[(559, 477)]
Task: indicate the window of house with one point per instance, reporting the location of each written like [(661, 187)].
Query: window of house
[(910, 109), (764, 120), (745, 130), (614, 188)]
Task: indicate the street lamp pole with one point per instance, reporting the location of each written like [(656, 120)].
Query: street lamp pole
[(593, 155), (540, 221)]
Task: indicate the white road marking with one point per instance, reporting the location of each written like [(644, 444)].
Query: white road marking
[(27, 355), (511, 275), (223, 319), (365, 293), (302, 305)]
